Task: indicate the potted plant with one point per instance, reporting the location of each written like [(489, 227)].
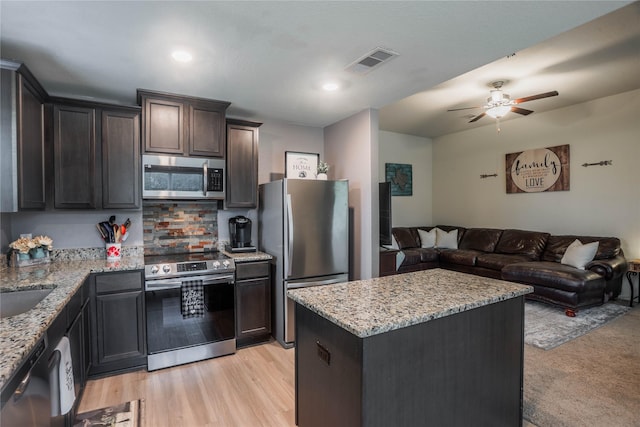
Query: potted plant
[(323, 168)]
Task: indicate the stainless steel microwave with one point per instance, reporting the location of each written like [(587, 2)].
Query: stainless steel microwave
[(182, 178)]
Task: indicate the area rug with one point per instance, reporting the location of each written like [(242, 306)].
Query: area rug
[(128, 414), (546, 326)]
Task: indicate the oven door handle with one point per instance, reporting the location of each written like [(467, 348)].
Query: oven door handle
[(176, 283)]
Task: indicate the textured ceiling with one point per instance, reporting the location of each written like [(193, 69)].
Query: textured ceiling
[(269, 58)]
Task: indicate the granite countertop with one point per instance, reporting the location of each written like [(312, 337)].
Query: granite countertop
[(240, 257), (67, 272), (18, 334), (374, 306)]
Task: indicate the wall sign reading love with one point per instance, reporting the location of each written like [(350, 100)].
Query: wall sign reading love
[(535, 171)]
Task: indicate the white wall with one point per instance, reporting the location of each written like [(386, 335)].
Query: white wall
[(278, 137), (351, 147), (398, 148), (74, 229), (602, 201)]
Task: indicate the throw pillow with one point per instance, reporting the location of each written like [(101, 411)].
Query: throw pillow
[(427, 238), (447, 240), (578, 255)]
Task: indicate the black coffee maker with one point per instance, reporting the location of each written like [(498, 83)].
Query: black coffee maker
[(240, 235)]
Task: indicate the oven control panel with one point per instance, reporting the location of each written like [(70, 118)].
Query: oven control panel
[(192, 266), (180, 269)]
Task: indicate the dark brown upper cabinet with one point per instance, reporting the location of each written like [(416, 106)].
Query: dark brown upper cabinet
[(74, 144), (23, 133), (242, 163), (121, 176), (182, 125), (96, 155)]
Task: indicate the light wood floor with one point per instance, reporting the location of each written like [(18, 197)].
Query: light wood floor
[(253, 388)]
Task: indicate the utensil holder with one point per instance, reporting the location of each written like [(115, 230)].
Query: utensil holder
[(114, 251)]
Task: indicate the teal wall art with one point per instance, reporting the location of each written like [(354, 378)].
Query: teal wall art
[(400, 177)]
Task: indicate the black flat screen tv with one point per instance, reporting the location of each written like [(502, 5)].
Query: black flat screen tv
[(384, 192)]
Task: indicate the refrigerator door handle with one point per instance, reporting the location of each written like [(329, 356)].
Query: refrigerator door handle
[(298, 285), (290, 234)]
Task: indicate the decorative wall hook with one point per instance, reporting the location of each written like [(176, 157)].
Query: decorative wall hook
[(602, 163), (484, 175)]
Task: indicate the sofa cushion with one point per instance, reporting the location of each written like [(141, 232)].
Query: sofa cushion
[(521, 242), (554, 275), (459, 256), (428, 254), (404, 237), (608, 247), (427, 238), (411, 257), (480, 239), (498, 261), (578, 255), (446, 239)]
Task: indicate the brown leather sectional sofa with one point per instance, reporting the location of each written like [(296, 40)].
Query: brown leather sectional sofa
[(529, 257)]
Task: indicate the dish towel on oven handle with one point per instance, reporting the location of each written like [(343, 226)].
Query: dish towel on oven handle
[(192, 296)]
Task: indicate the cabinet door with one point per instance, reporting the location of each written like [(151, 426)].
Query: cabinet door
[(120, 328), (242, 165), (254, 308), (207, 130), (164, 127), (120, 160), (74, 144), (31, 148)]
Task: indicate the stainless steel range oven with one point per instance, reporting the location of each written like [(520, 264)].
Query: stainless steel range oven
[(190, 308)]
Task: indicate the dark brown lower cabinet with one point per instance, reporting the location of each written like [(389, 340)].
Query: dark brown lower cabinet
[(253, 302), (118, 327), (464, 369)]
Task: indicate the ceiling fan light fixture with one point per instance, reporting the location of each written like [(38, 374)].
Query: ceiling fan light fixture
[(499, 111)]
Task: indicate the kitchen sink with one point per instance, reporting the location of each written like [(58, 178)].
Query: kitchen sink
[(20, 301)]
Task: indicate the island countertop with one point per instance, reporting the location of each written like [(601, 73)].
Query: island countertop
[(374, 306)]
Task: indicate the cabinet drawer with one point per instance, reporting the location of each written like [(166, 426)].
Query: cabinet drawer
[(116, 282), (250, 270)]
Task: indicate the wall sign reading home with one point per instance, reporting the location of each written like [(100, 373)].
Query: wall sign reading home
[(535, 171), (300, 165)]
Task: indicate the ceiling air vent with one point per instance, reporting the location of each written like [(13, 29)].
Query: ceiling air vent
[(371, 60)]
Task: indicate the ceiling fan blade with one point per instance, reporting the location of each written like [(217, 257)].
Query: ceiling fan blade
[(522, 111), (534, 97), (478, 117), (464, 108)]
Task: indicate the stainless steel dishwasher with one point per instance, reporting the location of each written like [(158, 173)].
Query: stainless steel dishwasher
[(26, 399)]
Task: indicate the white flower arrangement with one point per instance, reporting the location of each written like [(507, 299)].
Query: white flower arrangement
[(25, 244)]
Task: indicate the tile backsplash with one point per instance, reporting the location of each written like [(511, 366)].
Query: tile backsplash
[(174, 227)]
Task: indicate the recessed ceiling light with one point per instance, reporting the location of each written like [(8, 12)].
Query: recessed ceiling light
[(330, 86), (181, 56)]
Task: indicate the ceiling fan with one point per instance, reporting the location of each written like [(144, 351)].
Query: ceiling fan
[(499, 103)]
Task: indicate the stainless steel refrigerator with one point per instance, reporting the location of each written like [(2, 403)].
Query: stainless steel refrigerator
[(304, 225)]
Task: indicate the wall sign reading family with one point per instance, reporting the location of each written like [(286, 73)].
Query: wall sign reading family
[(535, 171), (300, 165)]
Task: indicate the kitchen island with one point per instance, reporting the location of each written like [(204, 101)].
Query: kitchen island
[(433, 347)]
